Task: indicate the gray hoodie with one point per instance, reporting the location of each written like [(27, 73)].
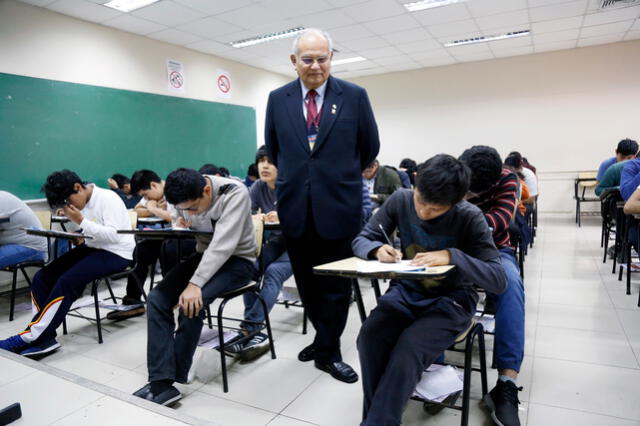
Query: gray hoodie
[(229, 218)]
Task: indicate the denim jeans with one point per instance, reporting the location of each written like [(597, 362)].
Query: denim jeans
[(11, 254), (169, 349), (274, 276), (509, 325)]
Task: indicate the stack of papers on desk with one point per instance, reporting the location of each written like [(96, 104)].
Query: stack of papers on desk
[(369, 266), (209, 337), (438, 382)]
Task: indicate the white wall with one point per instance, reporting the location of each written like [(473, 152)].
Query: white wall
[(39, 43), (565, 111)]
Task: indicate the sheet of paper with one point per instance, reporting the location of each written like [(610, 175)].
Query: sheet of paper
[(209, 337), (376, 266), (438, 381)]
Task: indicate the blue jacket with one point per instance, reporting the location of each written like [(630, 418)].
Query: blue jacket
[(329, 178), (630, 178)]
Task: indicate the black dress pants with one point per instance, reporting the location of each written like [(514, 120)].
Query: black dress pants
[(325, 298)]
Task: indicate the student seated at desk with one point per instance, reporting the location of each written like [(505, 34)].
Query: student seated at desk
[(17, 246), (100, 213), (221, 263), (121, 185), (416, 320), (150, 187), (494, 190), (275, 260), (613, 174), (381, 181)]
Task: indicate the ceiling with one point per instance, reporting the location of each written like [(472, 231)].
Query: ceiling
[(383, 31)]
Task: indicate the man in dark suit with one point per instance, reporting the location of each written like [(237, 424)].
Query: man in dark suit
[(321, 134)]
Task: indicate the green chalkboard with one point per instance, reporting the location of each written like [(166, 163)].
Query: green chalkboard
[(48, 125)]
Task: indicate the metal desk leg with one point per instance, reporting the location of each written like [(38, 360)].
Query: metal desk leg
[(376, 288), (359, 302)]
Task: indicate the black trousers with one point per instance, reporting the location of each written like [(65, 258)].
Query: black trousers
[(401, 337), (148, 252), (326, 299)]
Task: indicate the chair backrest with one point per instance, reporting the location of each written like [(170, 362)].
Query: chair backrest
[(44, 216), (258, 226), (133, 217)]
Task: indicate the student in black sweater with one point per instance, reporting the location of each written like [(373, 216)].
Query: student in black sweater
[(415, 321)]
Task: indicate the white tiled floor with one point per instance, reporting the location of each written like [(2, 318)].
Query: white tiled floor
[(582, 357)]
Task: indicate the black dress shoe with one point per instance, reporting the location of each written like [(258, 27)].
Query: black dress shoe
[(339, 371), (307, 354)]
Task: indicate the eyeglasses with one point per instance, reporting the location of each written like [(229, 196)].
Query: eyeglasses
[(320, 60), (191, 208)]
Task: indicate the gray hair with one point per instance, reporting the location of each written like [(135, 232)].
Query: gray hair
[(307, 31)]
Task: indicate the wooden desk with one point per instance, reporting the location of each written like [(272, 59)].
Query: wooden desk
[(584, 181), (152, 220), (348, 268), (271, 226), (166, 234), (49, 233)]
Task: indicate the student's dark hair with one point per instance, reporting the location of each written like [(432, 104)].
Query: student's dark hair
[(121, 180), (252, 170), (408, 164), (485, 165), (515, 154), (142, 180), (443, 180), (373, 163), (262, 153), (184, 185), (224, 172), (59, 185), (209, 169), (627, 147), (513, 162), (412, 168)]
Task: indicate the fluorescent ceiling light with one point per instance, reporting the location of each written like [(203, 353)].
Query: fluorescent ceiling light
[(266, 37), (484, 39), (129, 5), (429, 4), (348, 60)]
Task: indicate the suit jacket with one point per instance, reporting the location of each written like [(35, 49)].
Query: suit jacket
[(328, 179)]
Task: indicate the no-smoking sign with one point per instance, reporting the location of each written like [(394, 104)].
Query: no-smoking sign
[(223, 83), (176, 80), (175, 76)]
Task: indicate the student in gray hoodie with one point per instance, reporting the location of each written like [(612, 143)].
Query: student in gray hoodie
[(222, 262)]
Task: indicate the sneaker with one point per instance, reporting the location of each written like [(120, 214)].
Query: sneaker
[(255, 347), (433, 409), (167, 397), (36, 350), (119, 315), (503, 403), (143, 391), (233, 347), (13, 344)]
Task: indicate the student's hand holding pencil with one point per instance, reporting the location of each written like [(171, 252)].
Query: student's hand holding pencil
[(388, 254)]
